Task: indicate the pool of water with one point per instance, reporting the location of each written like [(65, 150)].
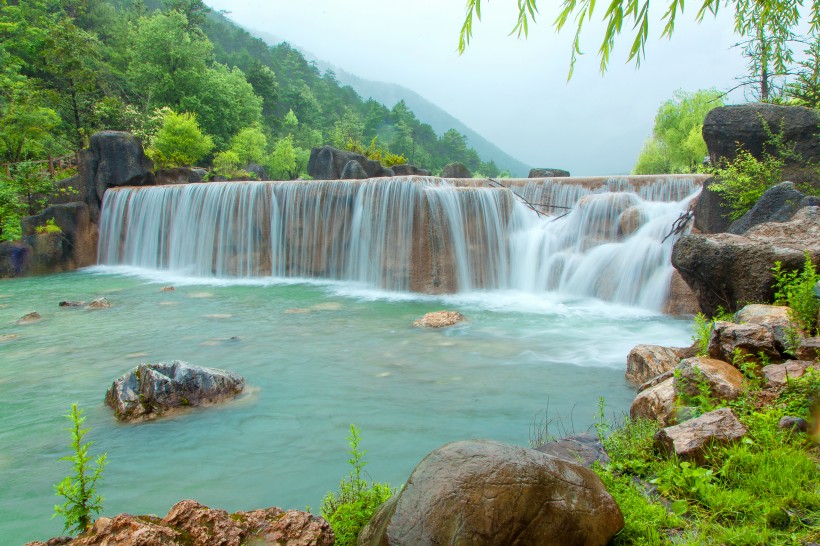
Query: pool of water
[(316, 358)]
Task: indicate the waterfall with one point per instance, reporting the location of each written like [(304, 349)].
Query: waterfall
[(599, 237)]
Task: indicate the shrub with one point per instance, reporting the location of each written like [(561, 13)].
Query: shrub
[(78, 490), (702, 328), (796, 289), (49, 227), (349, 509), (228, 164), (179, 141)]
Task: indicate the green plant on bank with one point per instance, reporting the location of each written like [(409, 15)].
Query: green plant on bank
[(702, 401), (350, 508), (703, 329), (49, 227), (79, 490), (762, 490), (796, 289)]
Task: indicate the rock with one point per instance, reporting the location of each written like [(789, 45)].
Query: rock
[(46, 253), (257, 171), (711, 211), (689, 440), (682, 300), (809, 349), (15, 257), (72, 304), (657, 380), (631, 219), (656, 403), (774, 317), (751, 340), (152, 390), (353, 170), (179, 175), (113, 158), (167, 289), (647, 361), (409, 170), (548, 173), (583, 449), (775, 375), (777, 204), (456, 170), (327, 163), (724, 380), (99, 303), (727, 127), (733, 270), (794, 424), (190, 523), (30, 318), (482, 492), (439, 319), (77, 242)]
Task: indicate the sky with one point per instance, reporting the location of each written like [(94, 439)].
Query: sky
[(512, 91)]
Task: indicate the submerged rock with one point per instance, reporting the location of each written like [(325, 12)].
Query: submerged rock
[(190, 523), (482, 492), (30, 318), (70, 303), (153, 390), (439, 319), (689, 440), (99, 303)]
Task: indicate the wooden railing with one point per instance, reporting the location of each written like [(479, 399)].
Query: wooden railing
[(53, 164)]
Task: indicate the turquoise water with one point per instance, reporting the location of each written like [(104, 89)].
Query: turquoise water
[(316, 358)]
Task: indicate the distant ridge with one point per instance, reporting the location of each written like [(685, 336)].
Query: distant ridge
[(427, 112)]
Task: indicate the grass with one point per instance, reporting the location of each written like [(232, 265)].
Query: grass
[(762, 490)]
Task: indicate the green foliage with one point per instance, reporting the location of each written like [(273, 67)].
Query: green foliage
[(49, 227), (24, 193), (677, 144), (79, 490), (283, 163), (702, 400), (227, 164), (375, 152), (702, 327), (179, 141), (805, 89), (796, 289), (250, 145), (350, 508), (631, 446)]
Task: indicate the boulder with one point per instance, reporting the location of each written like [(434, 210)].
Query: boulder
[(733, 270), (409, 170), (70, 303), (439, 319), (657, 380), (153, 390), (631, 219), (179, 175), (190, 523), (46, 253), (353, 170), (690, 439), (456, 170), (584, 449), (113, 158), (15, 257), (809, 349), (727, 127), (775, 375), (257, 171), (483, 492), (725, 382), (794, 424), (99, 303), (657, 403), (751, 340), (327, 163), (647, 361), (548, 173), (711, 211), (777, 204), (77, 240), (30, 318), (774, 317), (682, 300)]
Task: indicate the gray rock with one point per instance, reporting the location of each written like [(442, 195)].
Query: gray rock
[(30, 318), (548, 173), (751, 340), (777, 204), (179, 175), (689, 440), (353, 170), (153, 390), (481, 492), (795, 424), (258, 171), (809, 349), (456, 170), (775, 375), (774, 317), (584, 449), (327, 163), (409, 170), (15, 258), (711, 211), (725, 382)]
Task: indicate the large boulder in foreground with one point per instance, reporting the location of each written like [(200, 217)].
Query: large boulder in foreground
[(190, 523), (690, 439), (481, 492), (153, 390), (733, 270)]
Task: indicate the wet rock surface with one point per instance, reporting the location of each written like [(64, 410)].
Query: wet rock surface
[(584, 449), (723, 380), (689, 440), (439, 319), (751, 340), (647, 361)]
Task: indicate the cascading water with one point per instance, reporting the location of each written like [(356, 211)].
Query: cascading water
[(419, 234)]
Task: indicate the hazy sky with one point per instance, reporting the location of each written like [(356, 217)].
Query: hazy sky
[(512, 91)]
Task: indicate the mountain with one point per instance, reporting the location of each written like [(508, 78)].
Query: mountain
[(427, 112)]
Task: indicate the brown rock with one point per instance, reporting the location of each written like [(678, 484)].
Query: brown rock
[(204, 525), (439, 319), (689, 440), (294, 528), (809, 349), (30, 318), (750, 339), (167, 289), (775, 374), (647, 361), (682, 299), (482, 492), (724, 380), (658, 379), (99, 303), (774, 317), (631, 219), (656, 403), (128, 530)]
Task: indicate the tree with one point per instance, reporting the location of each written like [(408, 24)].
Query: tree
[(249, 145), (676, 144), (283, 164), (778, 17), (805, 90), (179, 141)]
